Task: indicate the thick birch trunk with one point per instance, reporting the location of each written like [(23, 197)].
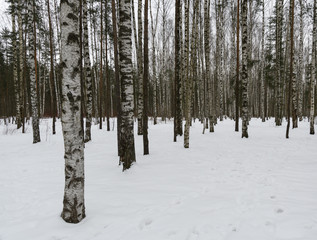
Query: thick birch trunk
[(74, 204)]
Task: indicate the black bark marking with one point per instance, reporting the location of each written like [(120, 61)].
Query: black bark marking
[(72, 38), (72, 16), (70, 97)]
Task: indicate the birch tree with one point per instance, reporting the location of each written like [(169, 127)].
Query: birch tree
[(73, 204), (313, 71), (15, 62), (263, 64), (244, 76), (146, 79), (187, 77), (140, 68), (21, 61), (33, 71), (237, 92), (292, 76), (154, 72), (125, 64), (178, 128), (117, 76), (278, 95), (87, 73), (52, 75), (300, 63)]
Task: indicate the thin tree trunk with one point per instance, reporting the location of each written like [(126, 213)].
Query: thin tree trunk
[(244, 22), (177, 87), (207, 56), (101, 66), (140, 69), (154, 62), (21, 61), (187, 78), (237, 92), (127, 158), (117, 77), (87, 72), (292, 76), (146, 79), (279, 23), (313, 72), (263, 65), (33, 72), (108, 99), (52, 83), (15, 62), (293, 79), (300, 64)]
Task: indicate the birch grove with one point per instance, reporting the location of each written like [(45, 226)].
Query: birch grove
[(131, 65)]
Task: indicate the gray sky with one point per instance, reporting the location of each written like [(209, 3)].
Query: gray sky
[(5, 20)]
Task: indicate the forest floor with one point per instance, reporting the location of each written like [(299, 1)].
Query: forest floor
[(222, 188)]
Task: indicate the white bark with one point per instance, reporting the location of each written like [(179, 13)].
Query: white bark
[(74, 206)]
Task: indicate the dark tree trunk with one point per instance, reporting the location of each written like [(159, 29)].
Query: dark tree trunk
[(127, 158), (146, 79), (117, 78)]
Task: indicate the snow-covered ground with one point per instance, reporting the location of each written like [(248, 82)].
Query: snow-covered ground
[(222, 188)]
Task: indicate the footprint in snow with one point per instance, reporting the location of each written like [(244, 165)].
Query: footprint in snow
[(194, 234), (279, 210), (145, 222)]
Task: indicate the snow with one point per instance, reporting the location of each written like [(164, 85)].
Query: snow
[(222, 188)]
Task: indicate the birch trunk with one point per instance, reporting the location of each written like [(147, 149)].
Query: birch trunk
[(300, 64), (313, 72), (263, 65), (293, 79), (15, 61), (21, 61), (88, 80), (207, 58), (244, 77), (73, 204), (292, 76), (52, 75), (33, 72), (187, 77), (146, 79), (279, 22), (221, 62), (237, 92), (140, 69), (117, 77), (177, 101), (154, 61), (101, 68), (125, 64)]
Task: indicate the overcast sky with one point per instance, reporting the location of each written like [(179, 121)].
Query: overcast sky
[(5, 20)]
